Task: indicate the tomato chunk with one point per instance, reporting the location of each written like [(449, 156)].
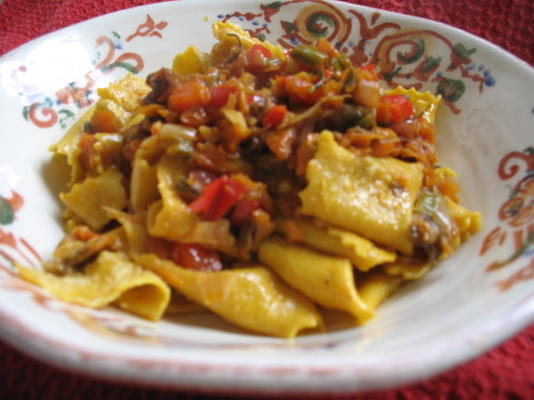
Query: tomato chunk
[(189, 95), (256, 58), (243, 210), (274, 116), (217, 198), (220, 94), (261, 49), (300, 88), (394, 108), (195, 256)]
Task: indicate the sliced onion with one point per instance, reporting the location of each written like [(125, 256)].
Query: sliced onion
[(367, 93), (408, 129), (179, 130)]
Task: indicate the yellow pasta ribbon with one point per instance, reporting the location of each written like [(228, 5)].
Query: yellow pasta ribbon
[(327, 280), (111, 278), (252, 298), (362, 253), (371, 196)]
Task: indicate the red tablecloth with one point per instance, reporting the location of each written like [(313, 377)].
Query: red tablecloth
[(504, 373)]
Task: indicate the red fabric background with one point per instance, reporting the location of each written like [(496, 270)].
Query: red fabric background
[(506, 372), (507, 23)]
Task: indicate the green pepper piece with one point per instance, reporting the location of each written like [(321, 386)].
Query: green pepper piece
[(340, 63), (308, 55)]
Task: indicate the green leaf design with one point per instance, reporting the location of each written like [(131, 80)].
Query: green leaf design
[(430, 63), (391, 74), (315, 24), (451, 89), (6, 212), (274, 4), (65, 116), (416, 53), (48, 103), (124, 65), (25, 112), (461, 51), (66, 113)]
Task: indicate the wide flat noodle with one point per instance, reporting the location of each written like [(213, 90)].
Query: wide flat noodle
[(188, 62), (468, 222), (69, 146), (88, 198), (371, 196), (171, 218), (108, 150), (121, 98), (111, 278), (327, 280), (362, 253), (252, 297), (143, 184), (230, 34), (137, 237), (407, 268), (376, 286), (425, 103), (145, 175), (126, 92)]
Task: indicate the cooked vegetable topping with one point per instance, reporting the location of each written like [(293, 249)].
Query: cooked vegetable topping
[(217, 198), (251, 154)]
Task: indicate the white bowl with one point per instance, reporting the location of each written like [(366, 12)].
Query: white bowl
[(456, 312)]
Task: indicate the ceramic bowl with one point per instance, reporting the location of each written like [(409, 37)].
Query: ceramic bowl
[(472, 301)]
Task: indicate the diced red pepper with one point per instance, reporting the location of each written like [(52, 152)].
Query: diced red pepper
[(189, 95), (256, 57), (243, 209), (274, 116), (261, 49), (220, 94), (394, 108), (300, 88), (197, 257), (204, 202), (217, 198), (161, 248), (194, 117)]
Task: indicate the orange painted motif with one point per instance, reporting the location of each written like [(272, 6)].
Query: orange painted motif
[(517, 216), (47, 111), (148, 28), (405, 57)]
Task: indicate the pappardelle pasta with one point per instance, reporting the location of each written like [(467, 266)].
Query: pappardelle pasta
[(261, 184)]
